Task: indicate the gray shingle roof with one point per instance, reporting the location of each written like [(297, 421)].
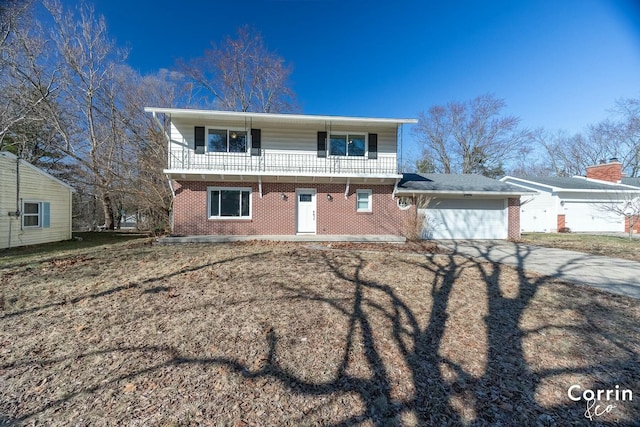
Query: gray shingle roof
[(631, 181), (455, 183), (571, 183)]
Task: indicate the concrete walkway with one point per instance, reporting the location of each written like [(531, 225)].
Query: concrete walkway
[(611, 274)]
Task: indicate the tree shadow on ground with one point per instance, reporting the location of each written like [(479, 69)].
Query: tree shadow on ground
[(444, 391)]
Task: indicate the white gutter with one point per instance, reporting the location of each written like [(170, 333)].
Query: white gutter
[(465, 193), (177, 112)]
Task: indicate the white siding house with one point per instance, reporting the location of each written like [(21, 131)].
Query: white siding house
[(35, 207), (577, 203)]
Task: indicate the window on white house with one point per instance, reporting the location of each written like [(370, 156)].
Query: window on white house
[(229, 202), (363, 200), (35, 214), (347, 145), (30, 214), (226, 141)]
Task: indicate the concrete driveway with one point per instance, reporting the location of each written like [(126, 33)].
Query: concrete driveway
[(611, 274)]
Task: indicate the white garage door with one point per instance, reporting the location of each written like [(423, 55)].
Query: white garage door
[(465, 219), (591, 217)]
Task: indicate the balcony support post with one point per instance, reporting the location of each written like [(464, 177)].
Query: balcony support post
[(346, 191), (260, 186), (395, 189)]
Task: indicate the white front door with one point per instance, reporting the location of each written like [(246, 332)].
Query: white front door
[(306, 210)]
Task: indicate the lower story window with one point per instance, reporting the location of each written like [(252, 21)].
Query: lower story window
[(31, 214), (229, 202), (363, 200), (35, 214)]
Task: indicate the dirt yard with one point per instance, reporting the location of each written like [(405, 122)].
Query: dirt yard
[(259, 334)]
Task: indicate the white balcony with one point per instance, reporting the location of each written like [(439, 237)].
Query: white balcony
[(266, 163)]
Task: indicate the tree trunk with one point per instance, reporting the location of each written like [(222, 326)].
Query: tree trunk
[(108, 211)]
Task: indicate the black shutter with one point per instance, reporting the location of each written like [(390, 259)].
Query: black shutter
[(199, 139), (256, 142), (322, 144), (373, 145)]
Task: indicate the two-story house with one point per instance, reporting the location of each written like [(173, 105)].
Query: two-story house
[(239, 173)]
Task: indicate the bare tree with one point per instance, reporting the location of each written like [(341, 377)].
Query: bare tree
[(616, 136), (27, 80), (242, 74), (471, 137), (87, 124)]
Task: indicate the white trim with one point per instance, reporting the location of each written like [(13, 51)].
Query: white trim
[(369, 200), (227, 218), (462, 193), (38, 215), (320, 119), (183, 173)]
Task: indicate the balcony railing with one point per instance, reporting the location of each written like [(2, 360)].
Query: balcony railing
[(187, 159)]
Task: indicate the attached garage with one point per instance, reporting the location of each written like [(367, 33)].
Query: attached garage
[(465, 206), (591, 217), (464, 219)]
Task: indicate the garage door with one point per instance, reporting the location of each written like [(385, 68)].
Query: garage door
[(591, 217), (465, 219)]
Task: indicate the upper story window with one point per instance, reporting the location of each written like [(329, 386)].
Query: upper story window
[(226, 141), (347, 144)]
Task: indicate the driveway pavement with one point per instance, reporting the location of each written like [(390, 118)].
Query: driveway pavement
[(611, 274)]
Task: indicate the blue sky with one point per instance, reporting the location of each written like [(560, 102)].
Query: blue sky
[(558, 64)]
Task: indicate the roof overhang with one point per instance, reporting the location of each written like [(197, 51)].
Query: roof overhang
[(181, 113), (209, 175), (615, 187), (457, 193)]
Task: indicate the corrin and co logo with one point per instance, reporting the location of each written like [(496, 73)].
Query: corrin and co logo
[(599, 402)]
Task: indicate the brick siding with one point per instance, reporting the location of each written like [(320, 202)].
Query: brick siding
[(513, 227), (636, 224), (611, 172), (271, 215)]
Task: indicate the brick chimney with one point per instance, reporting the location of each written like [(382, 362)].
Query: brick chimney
[(611, 171)]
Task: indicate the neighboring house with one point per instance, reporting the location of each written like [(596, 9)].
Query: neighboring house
[(582, 204), (239, 173), (35, 207), (465, 206)]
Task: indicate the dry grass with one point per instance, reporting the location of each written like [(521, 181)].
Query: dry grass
[(285, 334), (612, 246)]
